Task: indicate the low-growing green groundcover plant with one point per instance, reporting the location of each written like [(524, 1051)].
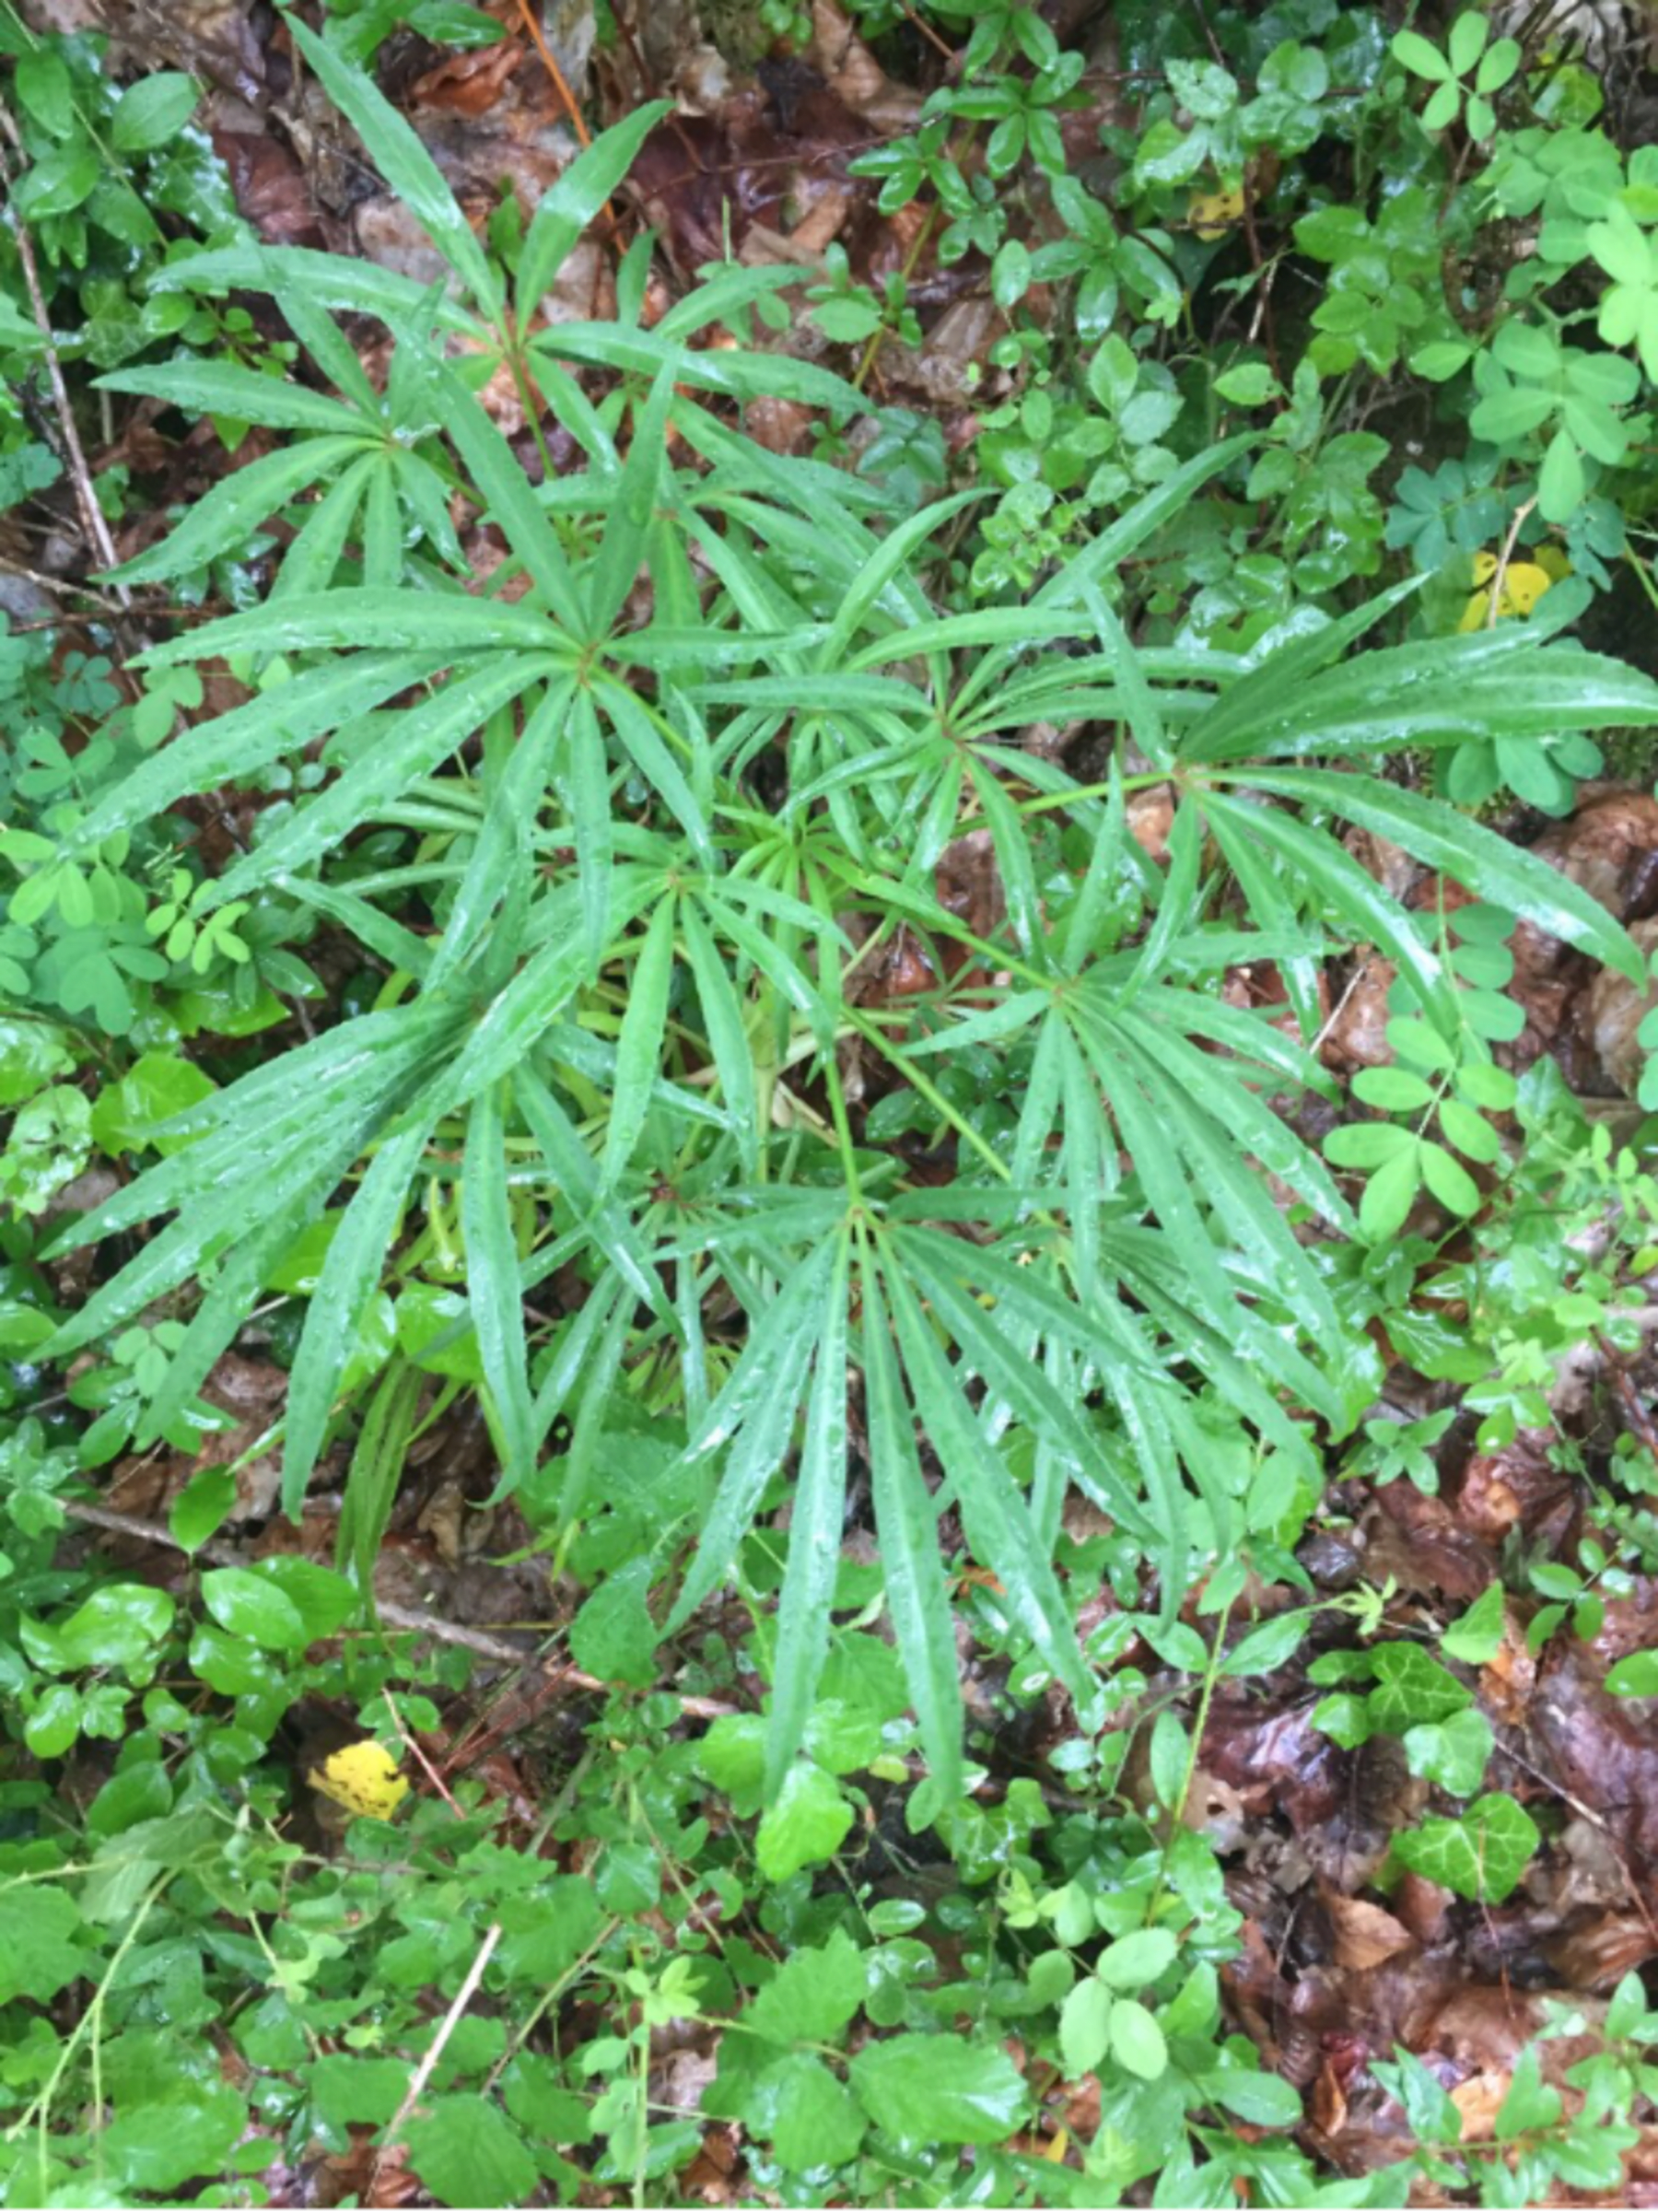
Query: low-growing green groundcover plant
[(655, 845)]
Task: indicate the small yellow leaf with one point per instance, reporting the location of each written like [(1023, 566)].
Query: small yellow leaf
[(1524, 583), (364, 1778), (1523, 587), (1212, 214)]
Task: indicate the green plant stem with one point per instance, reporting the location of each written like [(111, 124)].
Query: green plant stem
[(90, 2021)]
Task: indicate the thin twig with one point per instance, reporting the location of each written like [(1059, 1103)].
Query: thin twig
[(412, 1745), (1587, 1812), (435, 2049), (404, 1618), (1502, 564), (60, 586), (1251, 237), (556, 73), (624, 32), (929, 33), (92, 516)]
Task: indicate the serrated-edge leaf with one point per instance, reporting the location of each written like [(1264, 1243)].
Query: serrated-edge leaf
[(568, 206), (815, 1537), (237, 507), (404, 163), (351, 1274), (420, 741), (757, 1406), (639, 1044), (235, 746), (1373, 916), (243, 395), (494, 1287), (728, 1039), (907, 1525), (374, 618), (992, 1509), (630, 505), (1504, 875)]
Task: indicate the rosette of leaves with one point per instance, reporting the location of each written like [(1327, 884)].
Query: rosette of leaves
[(618, 1054)]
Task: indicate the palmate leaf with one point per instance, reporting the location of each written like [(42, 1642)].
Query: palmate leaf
[(1504, 874), (247, 739), (422, 739), (365, 443), (1189, 1119), (815, 1528), (351, 1275), (993, 1509), (568, 206), (754, 1414), (239, 505), (1489, 683), (907, 1521), (494, 1285), (396, 149)]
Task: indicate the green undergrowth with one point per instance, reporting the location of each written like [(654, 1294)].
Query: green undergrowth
[(470, 975)]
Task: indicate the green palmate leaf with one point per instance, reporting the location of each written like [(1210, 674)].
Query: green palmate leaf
[(217, 387), (815, 1536), (631, 507), (1503, 874), (316, 551), (500, 869), (728, 1039), (568, 208), (1258, 696), (1504, 682), (351, 1275), (906, 1520), (234, 510), (511, 502), (1087, 571), (756, 1408), (1371, 915), (325, 281), (993, 1509), (494, 1287), (314, 1108), (422, 739), (736, 373), (405, 165), (585, 780), (448, 622), (239, 745), (377, 1463), (930, 1262), (876, 577), (642, 734), (638, 1049)]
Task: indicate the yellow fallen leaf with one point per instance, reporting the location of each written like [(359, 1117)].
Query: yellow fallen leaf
[(1212, 214), (1524, 583), (364, 1778)]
